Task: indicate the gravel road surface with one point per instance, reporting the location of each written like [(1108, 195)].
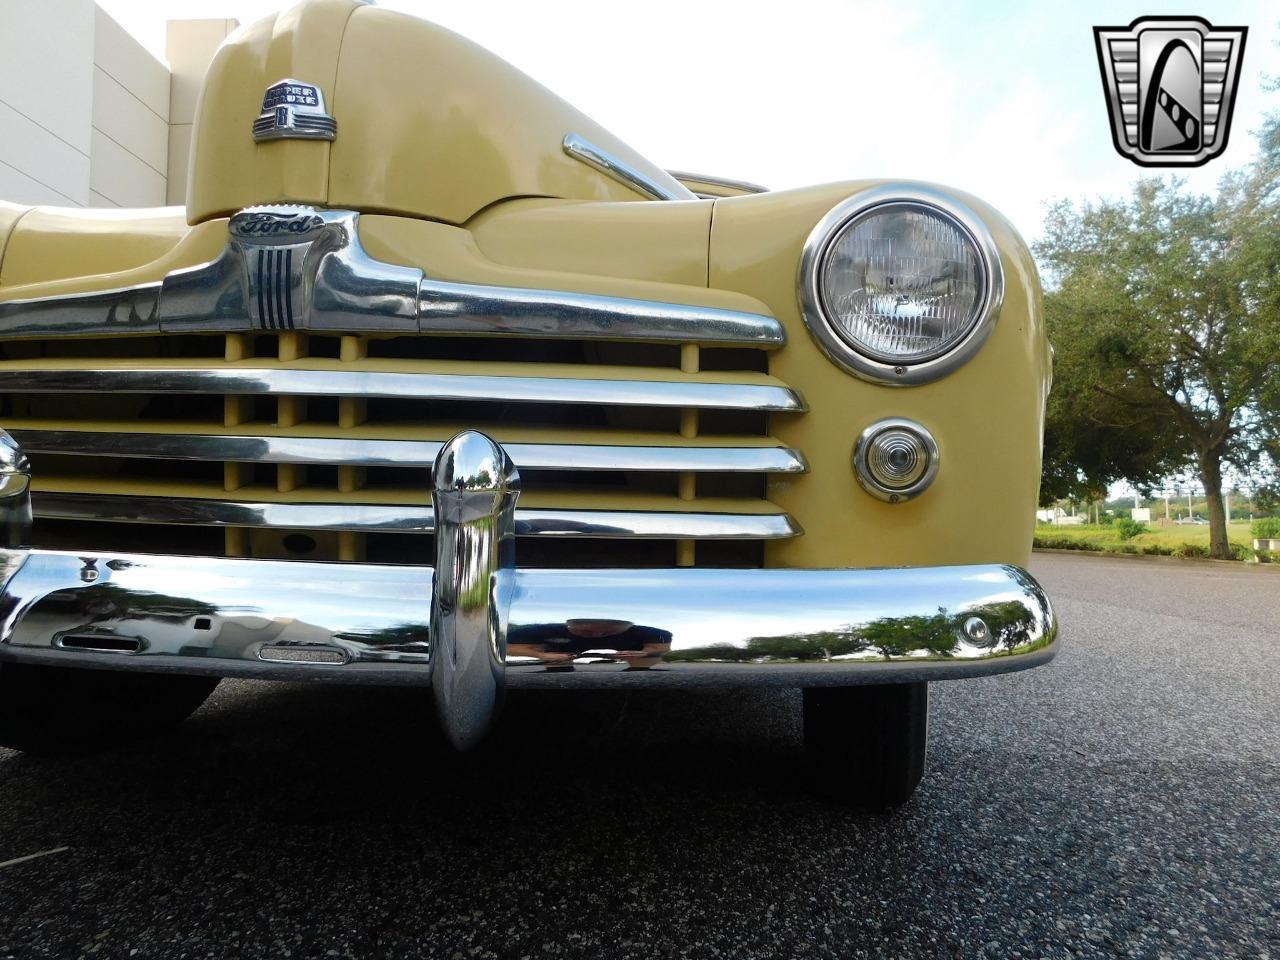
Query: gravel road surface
[(1124, 800)]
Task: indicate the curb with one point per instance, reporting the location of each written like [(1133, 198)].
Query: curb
[(1158, 558)]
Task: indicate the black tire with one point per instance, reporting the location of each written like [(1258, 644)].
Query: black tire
[(866, 745), (62, 710)]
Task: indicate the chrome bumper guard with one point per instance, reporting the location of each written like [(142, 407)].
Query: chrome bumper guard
[(474, 624)]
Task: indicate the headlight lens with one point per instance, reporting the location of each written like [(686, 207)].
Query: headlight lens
[(900, 285)]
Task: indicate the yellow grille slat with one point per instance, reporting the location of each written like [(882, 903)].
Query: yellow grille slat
[(687, 490), (351, 413), (234, 412), (291, 411)]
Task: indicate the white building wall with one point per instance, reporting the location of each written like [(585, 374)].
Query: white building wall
[(46, 100), (87, 116), (129, 147)]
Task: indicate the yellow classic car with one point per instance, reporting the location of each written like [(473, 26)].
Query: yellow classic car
[(434, 381)]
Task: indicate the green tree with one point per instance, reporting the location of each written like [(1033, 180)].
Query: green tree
[(1164, 310), (903, 636), (1091, 439), (1265, 189)]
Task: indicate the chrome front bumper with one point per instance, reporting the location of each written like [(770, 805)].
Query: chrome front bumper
[(473, 623)]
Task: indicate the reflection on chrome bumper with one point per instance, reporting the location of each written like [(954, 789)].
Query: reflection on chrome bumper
[(365, 622), (474, 622)]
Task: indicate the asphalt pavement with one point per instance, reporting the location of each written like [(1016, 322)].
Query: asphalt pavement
[(1124, 800)]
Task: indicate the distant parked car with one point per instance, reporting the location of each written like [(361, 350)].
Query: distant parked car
[(1198, 521)]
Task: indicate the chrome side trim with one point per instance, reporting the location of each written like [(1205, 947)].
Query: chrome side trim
[(409, 518), (422, 386), (406, 453), (743, 185), (690, 627), (474, 495), (303, 268), (617, 169), (15, 494), (813, 305)]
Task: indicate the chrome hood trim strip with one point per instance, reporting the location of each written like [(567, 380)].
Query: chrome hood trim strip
[(615, 168), (745, 186)]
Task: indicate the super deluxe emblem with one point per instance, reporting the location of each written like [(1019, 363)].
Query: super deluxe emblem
[(293, 110)]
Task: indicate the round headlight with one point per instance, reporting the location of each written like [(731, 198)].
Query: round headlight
[(900, 284)]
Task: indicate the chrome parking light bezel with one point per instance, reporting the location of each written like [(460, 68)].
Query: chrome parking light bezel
[(894, 494), (826, 333)]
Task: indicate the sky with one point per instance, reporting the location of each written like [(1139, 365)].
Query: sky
[(1002, 99)]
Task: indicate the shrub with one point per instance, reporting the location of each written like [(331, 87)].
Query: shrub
[(1190, 551), (1119, 548), (1128, 528), (1061, 542), (1156, 550), (1266, 528), (1242, 552)]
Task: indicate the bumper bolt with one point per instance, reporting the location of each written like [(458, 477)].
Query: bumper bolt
[(976, 631)]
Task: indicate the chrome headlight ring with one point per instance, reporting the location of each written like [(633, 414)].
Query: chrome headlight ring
[(862, 362)]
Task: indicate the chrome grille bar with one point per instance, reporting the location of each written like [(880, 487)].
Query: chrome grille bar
[(274, 381), (127, 310), (409, 518), (405, 453), (467, 308)]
